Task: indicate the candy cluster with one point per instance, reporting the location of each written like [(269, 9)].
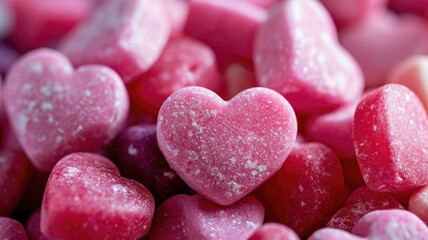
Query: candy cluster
[(214, 119)]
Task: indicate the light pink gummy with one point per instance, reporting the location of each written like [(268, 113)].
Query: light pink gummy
[(274, 231), (127, 36), (183, 217), (308, 67), (390, 136), (86, 197), (224, 150), (55, 109)]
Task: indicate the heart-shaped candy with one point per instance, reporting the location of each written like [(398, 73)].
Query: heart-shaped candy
[(55, 110), (224, 150), (390, 136), (382, 224), (308, 67), (86, 197)]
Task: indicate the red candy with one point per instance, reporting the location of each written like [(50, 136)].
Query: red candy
[(86, 197), (306, 190), (224, 150), (184, 217), (308, 67), (10, 229), (390, 134), (55, 110)]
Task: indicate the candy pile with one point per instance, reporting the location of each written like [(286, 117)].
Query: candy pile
[(214, 119)]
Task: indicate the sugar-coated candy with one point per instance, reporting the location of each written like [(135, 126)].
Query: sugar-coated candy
[(224, 150), (228, 27), (184, 217), (390, 134), (138, 157), (334, 129), (274, 231), (14, 174), (308, 67), (418, 204), (55, 110), (127, 36), (307, 189), (177, 11), (33, 227), (382, 224), (184, 62), (360, 202), (349, 12), (86, 197), (413, 74), (43, 23), (366, 41), (11, 229)]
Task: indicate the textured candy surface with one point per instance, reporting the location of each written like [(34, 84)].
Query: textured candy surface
[(306, 191), (14, 174), (390, 134), (228, 27), (407, 35), (127, 36), (55, 110), (224, 150), (138, 157), (184, 62), (360, 202), (308, 67), (183, 217), (274, 231), (86, 196), (11, 229)]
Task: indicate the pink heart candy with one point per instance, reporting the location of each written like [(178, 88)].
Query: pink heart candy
[(224, 150), (86, 197), (308, 67), (127, 36), (390, 136), (382, 224), (185, 217), (55, 110)]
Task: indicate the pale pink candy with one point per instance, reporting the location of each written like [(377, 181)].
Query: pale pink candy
[(348, 12), (390, 136), (262, 3), (377, 225), (183, 217), (274, 231), (55, 110), (406, 36), (308, 67), (127, 36), (177, 11), (412, 73), (224, 150), (334, 129), (418, 204), (228, 27)]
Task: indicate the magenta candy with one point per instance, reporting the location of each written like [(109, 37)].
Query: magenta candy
[(308, 67), (86, 196), (270, 231), (14, 174), (138, 157), (407, 36), (55, 110), (228, 27), (183, 217), (306, 191), (127, 36), (334, 129), (362, 201), (33, 227), (390, 134), (184, 62), (11, 229), (224, 150)]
